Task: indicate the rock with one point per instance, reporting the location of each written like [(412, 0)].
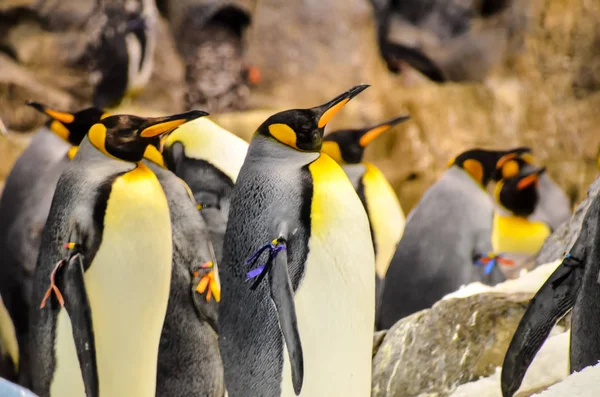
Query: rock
[(456, 341), (550, 366), (563, 239), (461, 338), (378, 340), (581, 384)]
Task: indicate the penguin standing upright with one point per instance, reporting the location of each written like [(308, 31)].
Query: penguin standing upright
[(103, 274), (518, 238), (24, 207), (315, 295), (386, 217), (573, 285), (200, 370), (122, 56), (445, 234), (208, 158), (554, 207)]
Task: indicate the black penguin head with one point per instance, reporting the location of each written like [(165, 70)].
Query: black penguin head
[(71, 127), (513, 163), (481, 164), (302, 129), (127, 137), (348, 146), (519, 193)]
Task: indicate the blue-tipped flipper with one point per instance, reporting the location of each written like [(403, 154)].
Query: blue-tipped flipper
[(283, 296), (71, 284), (553, 300)]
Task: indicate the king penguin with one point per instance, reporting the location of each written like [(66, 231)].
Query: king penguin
[(24, 207), (445, 234), (190, 326), (573, 285), (386, 217), (514, 235), (102, 280), (296, 206), (554, 207), (208, 158)]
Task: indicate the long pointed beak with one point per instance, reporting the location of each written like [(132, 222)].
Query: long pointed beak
[(63, 117), (161, 125), (373, 132), (327, 111), (531, 178)]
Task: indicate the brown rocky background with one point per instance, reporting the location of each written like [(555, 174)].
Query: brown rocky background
[(541, 89)]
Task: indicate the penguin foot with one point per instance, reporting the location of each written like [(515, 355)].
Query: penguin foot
[(208, 283), (53, 287), (491, 260), (274, 247)]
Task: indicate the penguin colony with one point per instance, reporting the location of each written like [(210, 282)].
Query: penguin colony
[(167, 257)]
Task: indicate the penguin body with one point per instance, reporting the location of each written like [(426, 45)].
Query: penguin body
[(320, 268), (189, 362), (386, 217), (106, 254), (24, 207), (444, 234), (573, 285), (514, 235), (208, 158)]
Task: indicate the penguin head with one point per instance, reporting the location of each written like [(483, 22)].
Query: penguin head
[(481, 164), (71, 127), (303, 129), (513, 163), (126, 137), (348, 146), (519, 193)]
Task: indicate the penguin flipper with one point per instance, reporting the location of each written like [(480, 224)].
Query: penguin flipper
[(553, 300), (283, 297), (71, 283)]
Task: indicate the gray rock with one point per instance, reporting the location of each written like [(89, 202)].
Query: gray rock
[(456, 341), (564, 237)]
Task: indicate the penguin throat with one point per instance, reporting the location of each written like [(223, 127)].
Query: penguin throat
[(154, 155)]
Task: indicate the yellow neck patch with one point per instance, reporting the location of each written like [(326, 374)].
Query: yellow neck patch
[(284, 134), (333, 150), (515, 234), (72, 152), (60, 130), (154, 155)]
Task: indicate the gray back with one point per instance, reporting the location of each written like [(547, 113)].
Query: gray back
[(273, 186), (450, 225)]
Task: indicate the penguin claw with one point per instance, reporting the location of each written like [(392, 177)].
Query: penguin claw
[(53, 287)]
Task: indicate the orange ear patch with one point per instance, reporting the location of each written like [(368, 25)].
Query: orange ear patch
[(510, 169), (504, 159), (474, 168), (284, 134)]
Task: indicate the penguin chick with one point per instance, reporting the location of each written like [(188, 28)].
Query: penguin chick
[(102, 280), (24, 207), (285, 326), (385, 214), (513, 234), (445, 234), (554, 206), (208, 158), (121, 57)]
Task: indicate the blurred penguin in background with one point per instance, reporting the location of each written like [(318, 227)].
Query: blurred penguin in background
[(514, 235), (446, 40), (210, 39), (554, 206), (446, 236), (120, 54)]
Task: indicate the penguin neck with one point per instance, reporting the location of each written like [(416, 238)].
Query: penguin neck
[(96, 161), (459, 171), (355, 172), (266, 150)]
